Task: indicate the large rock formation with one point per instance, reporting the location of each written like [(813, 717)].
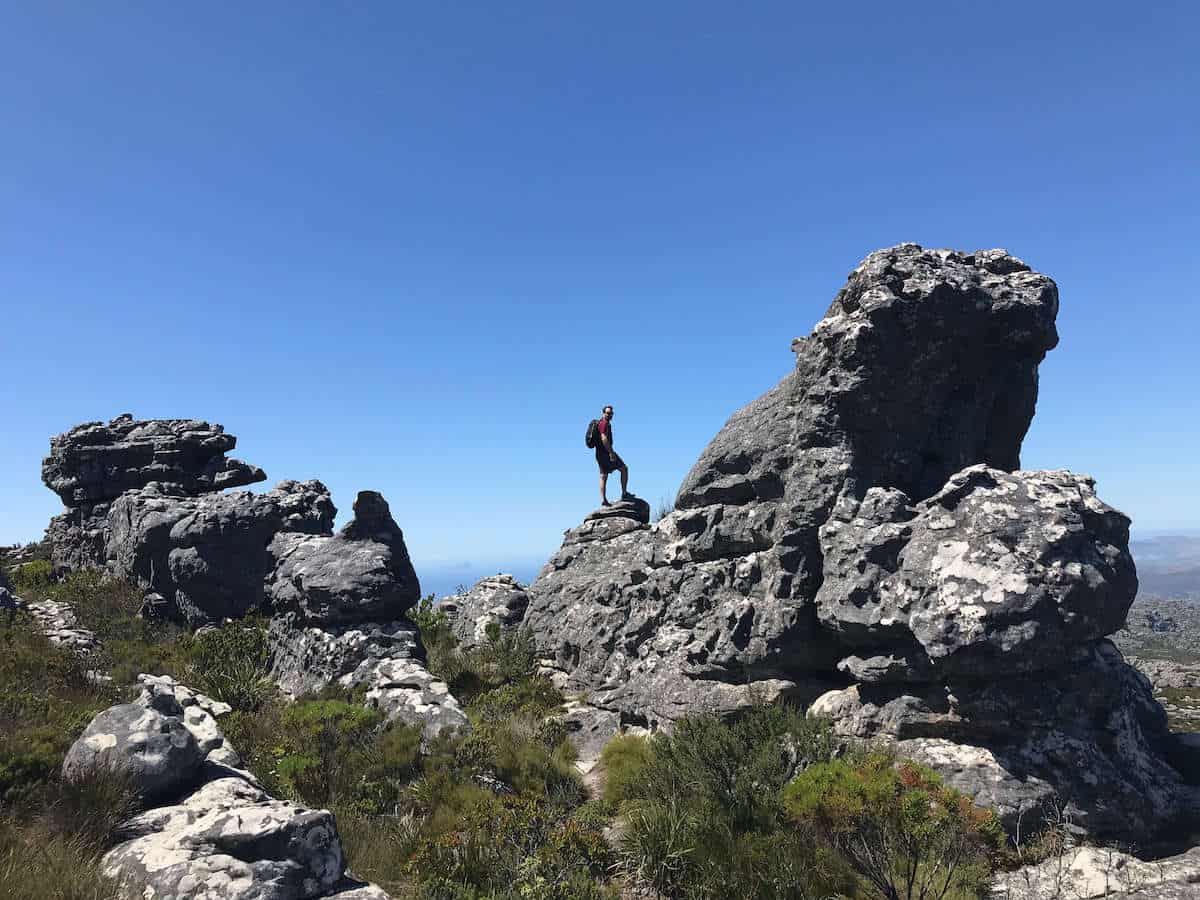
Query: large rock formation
[(862, 529), (148, 506), (95, 463)]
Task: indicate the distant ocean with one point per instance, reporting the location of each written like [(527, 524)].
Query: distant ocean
[(444, 579)]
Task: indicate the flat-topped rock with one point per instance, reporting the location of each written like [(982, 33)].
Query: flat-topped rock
[(636, 509)]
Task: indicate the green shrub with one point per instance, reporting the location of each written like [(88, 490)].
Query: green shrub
[(230, 664), (46, 700), (703, 811), (32, 579), (898, 826), (37, 863), (624, 759)]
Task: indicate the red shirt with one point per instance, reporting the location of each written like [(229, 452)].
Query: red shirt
[(604, 427)]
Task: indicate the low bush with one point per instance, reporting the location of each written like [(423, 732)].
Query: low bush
[(703, 810), (32, 579), (38, 863), (230, 664), (905, 833)]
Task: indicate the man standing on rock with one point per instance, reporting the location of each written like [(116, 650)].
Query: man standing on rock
[(607, 458)]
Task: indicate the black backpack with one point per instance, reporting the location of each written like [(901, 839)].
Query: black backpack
[(592, 438)]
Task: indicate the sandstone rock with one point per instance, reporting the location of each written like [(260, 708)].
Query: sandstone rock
[(996, 573), (364, 573), (498, 599), (160, 754), (229, 841), (208, 555), (387, 658), (1088, 732), (926, 363), (95, 463)]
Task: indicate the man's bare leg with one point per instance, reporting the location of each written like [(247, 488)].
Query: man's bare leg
[(624, 481), (604, 489)]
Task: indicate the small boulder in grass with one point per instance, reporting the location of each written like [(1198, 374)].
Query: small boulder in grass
[(160, 755)]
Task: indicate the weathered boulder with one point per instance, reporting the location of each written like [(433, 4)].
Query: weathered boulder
[(1090, 873), (861, 529), (495, 600), (208, 555), (363, 573), (1087, 733), (386, 658), (994, 574), (197, 711), (95, 463), (229, 840), (158, 752)]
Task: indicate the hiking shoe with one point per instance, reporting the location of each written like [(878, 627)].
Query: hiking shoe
[(626, 495), (605, 503)]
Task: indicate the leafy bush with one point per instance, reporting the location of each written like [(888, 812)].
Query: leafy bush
[(898, 826), (46, 700), (703, 811)]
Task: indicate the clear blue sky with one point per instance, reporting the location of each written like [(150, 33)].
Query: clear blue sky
[(414, 247)]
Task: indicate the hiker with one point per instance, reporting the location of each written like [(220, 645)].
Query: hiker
[(607, 458)]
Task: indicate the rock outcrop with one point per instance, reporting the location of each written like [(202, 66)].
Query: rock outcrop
[(861, 533), (340, 607), (495, 600), (362, 574), (215, 833), (95, 463)]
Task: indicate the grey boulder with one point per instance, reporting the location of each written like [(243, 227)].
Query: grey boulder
[(363, 573), (208, 555), (496, 600), (229, 841), (994, 574), (158, 752)]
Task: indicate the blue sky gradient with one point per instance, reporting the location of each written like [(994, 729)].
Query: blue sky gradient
[(414, 248)]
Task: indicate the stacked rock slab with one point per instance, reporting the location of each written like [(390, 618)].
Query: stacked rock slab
[(861, 528), (340, 604), (95, 463)]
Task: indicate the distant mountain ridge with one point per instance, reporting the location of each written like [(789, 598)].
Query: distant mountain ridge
[(1168, 566)]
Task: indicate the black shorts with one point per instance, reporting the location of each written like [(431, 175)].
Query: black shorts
[(606, 464)]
